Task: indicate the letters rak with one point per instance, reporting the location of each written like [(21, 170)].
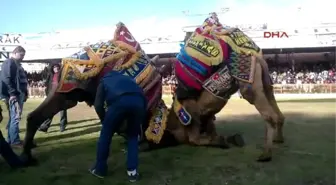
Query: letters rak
[(277, 34)]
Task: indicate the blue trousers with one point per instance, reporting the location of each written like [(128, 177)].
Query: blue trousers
[(7, 153), (14, 119), (130, 108)]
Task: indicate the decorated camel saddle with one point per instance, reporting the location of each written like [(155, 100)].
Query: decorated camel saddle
[(124, 55), (212, 59)]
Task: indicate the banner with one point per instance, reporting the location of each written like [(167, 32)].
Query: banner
[(11, 39)]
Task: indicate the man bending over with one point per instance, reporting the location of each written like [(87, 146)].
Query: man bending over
[(125, 102)]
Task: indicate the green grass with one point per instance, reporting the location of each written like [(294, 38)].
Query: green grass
[(307, 157)]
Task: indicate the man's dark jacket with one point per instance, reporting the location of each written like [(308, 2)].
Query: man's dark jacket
[(111, 87), (9, 79)]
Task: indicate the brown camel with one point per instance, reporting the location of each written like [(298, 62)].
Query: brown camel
[(259, 93), (57, 101), (200, 132)]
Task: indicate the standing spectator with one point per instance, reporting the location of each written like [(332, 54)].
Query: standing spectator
[(52, 82), (6, 151), (14, 88)]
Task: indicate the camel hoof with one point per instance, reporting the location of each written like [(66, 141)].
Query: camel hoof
[(279, 140), (222, 143), (236, 140), (265, 157), (28, 160)]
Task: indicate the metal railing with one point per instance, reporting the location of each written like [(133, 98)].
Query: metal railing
[(39, 92), (285, 89), (36, 92), (304, 88)]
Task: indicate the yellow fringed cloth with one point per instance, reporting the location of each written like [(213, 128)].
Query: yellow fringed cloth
[(157, 123)]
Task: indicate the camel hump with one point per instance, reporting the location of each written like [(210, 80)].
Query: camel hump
[(240, 42)]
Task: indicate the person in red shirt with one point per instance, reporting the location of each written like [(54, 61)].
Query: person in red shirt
[(52, 82)]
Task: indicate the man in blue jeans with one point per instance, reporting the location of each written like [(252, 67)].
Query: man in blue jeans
[(14, 88), (125, 102), (6, 151)]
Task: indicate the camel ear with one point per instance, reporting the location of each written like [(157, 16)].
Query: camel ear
[(155, 59)]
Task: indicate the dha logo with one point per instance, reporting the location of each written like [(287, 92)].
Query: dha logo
[(277, 34)]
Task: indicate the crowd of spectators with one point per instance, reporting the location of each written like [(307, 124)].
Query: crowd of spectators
[(36, 82), (321, 73)]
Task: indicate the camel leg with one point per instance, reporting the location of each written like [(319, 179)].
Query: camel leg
[(195, 138), (255, 94), (48, 108), (193, 130), (209, 105), (210, 131), (279, 138), (208, 125), (270, 96)]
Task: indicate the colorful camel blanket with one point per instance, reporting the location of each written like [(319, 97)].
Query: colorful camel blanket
[(240, 64), (122, 54), (212, 45), (210, 58)]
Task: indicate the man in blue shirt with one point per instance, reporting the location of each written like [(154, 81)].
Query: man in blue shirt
[(14, 88), (125, 102)]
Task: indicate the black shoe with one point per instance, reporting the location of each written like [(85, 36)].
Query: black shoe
[(95, 173), (43, 129), (17, 145), (62, 129)]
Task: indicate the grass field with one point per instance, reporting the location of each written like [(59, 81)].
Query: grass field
[(306, 158)]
